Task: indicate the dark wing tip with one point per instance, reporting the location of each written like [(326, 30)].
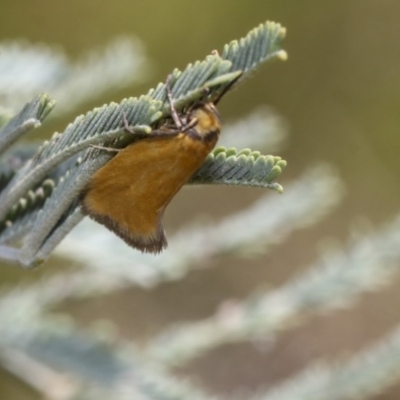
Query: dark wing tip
[(154, 243)]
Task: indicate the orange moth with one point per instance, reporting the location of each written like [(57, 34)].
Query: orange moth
[(129, 194)]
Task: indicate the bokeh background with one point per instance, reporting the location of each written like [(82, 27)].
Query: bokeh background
[(339, 94)]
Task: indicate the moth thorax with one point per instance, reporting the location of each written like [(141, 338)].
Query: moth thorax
[(208, 120)]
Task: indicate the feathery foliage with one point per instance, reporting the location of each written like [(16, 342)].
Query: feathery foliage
[(72, 153), (30, 117)]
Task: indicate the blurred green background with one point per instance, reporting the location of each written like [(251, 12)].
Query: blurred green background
[(339, 92)]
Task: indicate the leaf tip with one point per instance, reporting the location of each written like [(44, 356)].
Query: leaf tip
[(282, 55)]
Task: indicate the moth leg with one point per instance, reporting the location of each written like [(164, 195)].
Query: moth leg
[(190, 125), (179, 124), (110, 149), (139, 130), (126, 124)]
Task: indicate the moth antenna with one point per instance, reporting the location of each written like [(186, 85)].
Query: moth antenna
[(226, 88)]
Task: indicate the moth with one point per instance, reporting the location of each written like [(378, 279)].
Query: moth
[(130, 193)]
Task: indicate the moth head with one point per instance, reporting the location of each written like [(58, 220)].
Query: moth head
[(208, 118)]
